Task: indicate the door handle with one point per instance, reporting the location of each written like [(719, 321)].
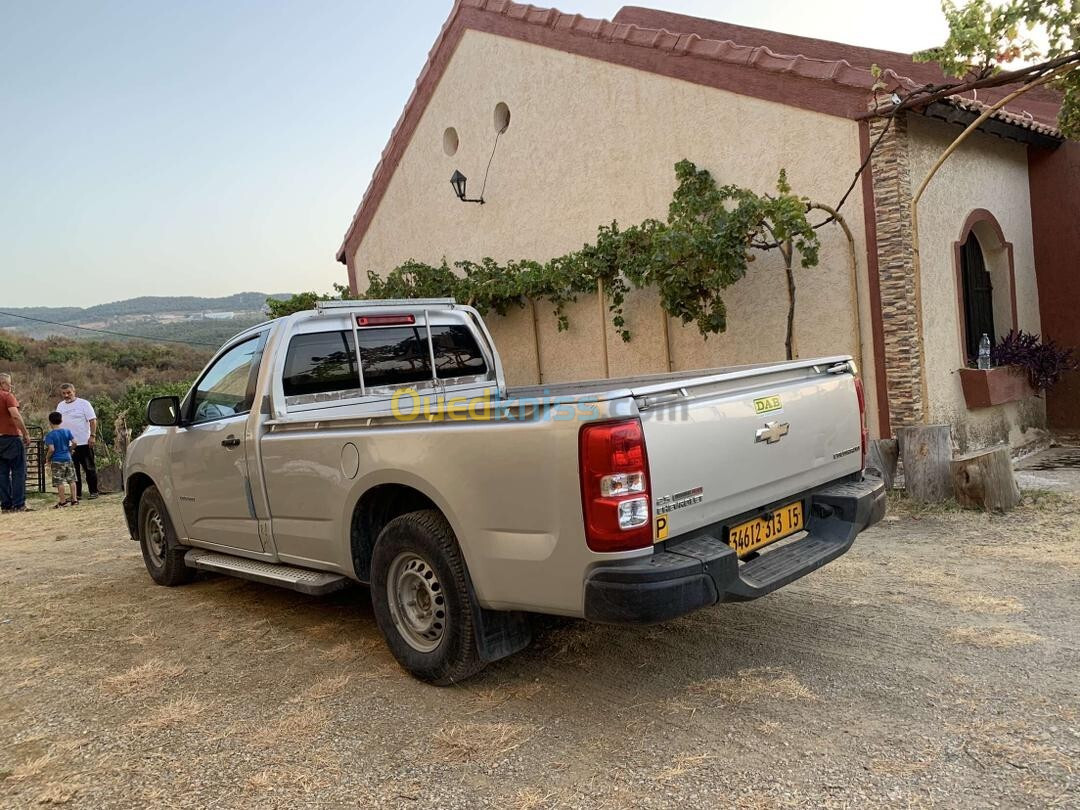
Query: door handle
[(232, 441)]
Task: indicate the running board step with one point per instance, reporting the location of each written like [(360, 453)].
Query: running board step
[(303, 580)]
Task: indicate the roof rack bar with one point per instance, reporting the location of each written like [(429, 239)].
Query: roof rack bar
[(388, 302)]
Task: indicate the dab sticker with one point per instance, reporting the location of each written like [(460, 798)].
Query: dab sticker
[(661, 527), (767, 404)]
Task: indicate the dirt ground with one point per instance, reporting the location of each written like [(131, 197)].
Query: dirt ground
[(936, 664)]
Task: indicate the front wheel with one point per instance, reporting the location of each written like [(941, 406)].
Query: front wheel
[(163, 557), (421, 597)]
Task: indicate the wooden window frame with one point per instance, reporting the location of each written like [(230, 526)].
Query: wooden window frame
[(976, 217)]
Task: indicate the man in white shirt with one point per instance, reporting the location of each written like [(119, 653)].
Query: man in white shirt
[(80, 419)]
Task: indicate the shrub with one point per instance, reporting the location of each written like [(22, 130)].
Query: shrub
[(133, 403), (1044, 362), (113, 375), (10, 350)]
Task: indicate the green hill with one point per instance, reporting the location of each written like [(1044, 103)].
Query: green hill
[(248, 302)]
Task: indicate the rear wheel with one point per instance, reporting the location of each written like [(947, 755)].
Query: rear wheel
[(162, 555), (422, 601)]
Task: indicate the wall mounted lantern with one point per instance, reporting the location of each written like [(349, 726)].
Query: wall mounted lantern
[(458, 181)]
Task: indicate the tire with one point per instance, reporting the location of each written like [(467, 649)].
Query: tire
[(162, 555), (422, 600)]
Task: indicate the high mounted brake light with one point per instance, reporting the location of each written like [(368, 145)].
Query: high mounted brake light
[(615, 498), (385, 320)]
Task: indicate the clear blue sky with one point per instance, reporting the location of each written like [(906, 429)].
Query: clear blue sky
[(204, 148)]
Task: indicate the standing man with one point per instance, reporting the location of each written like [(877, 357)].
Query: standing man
[(80, 419), (14, 439)]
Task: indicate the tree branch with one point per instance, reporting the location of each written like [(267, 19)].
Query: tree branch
[(931, 93)]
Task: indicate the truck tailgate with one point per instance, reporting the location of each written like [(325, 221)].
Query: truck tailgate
[(732, 443)]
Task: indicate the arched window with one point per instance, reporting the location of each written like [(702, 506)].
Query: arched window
[(978, 291), (985, 283)]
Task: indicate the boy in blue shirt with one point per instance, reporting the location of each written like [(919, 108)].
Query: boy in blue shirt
[(60, 443)]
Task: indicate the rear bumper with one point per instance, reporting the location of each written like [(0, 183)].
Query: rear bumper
[(705, 570)]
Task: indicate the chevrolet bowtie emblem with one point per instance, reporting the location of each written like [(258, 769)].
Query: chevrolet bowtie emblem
[(772, 432)]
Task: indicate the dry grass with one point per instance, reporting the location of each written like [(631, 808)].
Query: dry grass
[(31, 768), (997, 637), (529, 799), (1044, 549), (905, 765), (901, 506), (150, 637), (261, 780), (768, 727), (1023, 748), (1044, 499), (383, 669), (481, 742), (284, 778), (682, 765), (180, 710), (972, 602), (57, 793), (1032, 502), (609, 700), (492, 697), (143, 678), (324, 630), (574, 641), (322, 689), (297, 726), (349, 651), (754, 684), (950, 590)]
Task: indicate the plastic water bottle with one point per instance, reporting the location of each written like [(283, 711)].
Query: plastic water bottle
[(984, 351)]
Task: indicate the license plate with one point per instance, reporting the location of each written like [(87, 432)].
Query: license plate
[(753, 534)]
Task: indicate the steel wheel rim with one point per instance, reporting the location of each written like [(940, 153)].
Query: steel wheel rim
[(154, 532), (417, 601)]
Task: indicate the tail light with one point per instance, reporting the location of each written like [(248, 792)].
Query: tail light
[(615, 496), (862, 418)]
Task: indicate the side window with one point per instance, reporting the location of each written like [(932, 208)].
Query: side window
[(456, 352), (228, 386), (324, 362), (320, 362)]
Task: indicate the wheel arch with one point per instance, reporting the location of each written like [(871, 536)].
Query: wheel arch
[(377, 506), (135, 485)]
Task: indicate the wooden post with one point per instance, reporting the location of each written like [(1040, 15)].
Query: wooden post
[(603, 324), (926, 451), (853, 266), (882, 457), (536, 342), (984, 480), (667, 339)]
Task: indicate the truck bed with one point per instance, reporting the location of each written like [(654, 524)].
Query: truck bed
[(654, 383)]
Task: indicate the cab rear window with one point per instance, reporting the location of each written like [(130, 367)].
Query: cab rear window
[(325, 362)]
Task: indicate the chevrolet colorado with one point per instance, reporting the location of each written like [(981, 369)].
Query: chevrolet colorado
[(378, 442)]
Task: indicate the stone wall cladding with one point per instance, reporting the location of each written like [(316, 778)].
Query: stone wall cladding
[(896, 267)]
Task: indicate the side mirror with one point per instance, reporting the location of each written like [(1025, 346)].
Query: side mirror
[(163, 411)]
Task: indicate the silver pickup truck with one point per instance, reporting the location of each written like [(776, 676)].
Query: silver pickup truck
[(377, 442)]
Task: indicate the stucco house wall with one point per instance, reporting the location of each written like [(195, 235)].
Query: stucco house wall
[(590, 142), (988, 174)]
